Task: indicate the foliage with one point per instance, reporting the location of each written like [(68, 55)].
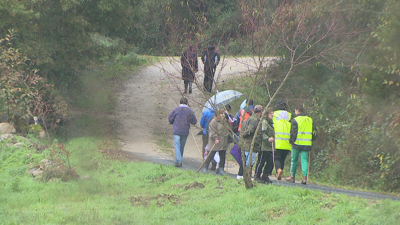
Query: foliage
[(24, 92)]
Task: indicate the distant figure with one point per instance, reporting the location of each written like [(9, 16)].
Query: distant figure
[(190, 67), (302, 133), (181, 118), (210, 58)]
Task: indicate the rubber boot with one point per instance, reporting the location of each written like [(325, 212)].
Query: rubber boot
[(213, 165), (204, 169), (221, 171)]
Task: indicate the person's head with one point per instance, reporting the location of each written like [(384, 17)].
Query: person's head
[(221, 114), (299, 109), (251, 102), (281, 105), (191, 48), (228, 107), (270, 113), (258, 109), (183, 101)]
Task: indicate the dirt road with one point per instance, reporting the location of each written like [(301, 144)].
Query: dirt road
[(151, 93)]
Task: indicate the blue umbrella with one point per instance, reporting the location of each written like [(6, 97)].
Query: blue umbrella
[(222, 98)]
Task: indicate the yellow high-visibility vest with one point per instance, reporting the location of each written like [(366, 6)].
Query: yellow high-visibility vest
[(304, 132), (282, 127)]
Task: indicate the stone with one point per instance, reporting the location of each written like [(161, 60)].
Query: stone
[(6, 136), (37, 173), (44, 163), (7, 128)]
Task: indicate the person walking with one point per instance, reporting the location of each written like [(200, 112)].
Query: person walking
[(210, 59), (302, 133), (248, 131), (281, 121), (204, 121), (265, 163), (181, 118), (218, 141), (189, 64)]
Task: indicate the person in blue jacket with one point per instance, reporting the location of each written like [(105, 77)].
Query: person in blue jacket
[(204, 121)]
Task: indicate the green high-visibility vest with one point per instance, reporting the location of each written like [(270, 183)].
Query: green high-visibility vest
[(304, 132), (282, 127)]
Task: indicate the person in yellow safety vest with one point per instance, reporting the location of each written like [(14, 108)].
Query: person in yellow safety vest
[(302, 134), (281, 121)]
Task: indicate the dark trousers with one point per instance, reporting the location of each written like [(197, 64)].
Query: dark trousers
[(208, 79), (280, 156), (222, 156), (264, 164)]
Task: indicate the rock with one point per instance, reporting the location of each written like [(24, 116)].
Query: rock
[(19, 144), (31, 170), (7, 128), (37, 173), (5, 136), (42, 134), (44, 163)]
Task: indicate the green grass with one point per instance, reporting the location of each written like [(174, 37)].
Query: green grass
[(121, 192)]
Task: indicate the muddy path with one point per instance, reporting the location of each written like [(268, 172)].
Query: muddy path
[(151, 93)]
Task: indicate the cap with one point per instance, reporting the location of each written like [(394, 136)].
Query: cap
[(258, 108)]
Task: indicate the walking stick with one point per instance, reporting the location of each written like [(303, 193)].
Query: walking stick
[(273, 159), (308, 164), (196, 144), (206, 158)]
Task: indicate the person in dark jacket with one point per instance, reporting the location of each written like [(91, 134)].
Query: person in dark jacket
[(189, 64), (265, 156), (181, 118), (210, 59), (248, 132), (302, 133)]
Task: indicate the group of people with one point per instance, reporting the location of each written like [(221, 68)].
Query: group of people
[(280, 134), (210, 58)]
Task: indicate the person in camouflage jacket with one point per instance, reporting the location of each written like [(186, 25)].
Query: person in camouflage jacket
[(248, 131)]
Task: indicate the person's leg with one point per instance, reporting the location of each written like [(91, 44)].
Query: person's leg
[(221, 165), (177, 144), (183, 142), (208, 160), (186, 83), (212, 72), (284, 154), (260, 163), (207, 78), (270, 163), (190, 87), (304, 162), (278, 158), (205, 142), (293, 162)]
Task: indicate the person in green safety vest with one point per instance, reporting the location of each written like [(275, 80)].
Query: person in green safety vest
[(302, 133), (281, 121)]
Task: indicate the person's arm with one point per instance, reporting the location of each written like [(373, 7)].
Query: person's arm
[(193, 119), (293, 131), (171, 117)]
